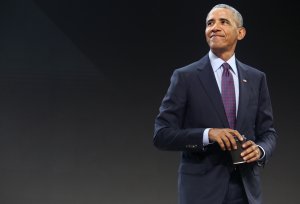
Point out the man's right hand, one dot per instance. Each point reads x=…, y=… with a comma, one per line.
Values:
x=224, y=137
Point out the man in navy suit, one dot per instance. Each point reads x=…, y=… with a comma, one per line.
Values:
x=193, y=119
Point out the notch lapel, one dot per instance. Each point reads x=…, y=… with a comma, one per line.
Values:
x=208, y=80
x=243, y=96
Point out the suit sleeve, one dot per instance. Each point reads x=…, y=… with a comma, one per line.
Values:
x=169, y=133
x=266, y=135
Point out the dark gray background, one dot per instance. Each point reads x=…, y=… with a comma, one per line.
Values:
x=81, y=82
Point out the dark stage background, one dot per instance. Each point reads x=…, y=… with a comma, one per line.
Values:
x=81, y=82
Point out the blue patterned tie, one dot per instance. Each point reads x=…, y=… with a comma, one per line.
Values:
x=228, y=95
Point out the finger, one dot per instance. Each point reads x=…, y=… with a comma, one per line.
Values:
x=221, y=143
x=238, y=135
x=232, y=141
x=249, y=156
x=253, y=156
x=226, y=141
x=247, y=144
x=252, y=160
x=252, y=149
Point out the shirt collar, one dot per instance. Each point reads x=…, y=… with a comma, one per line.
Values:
x=217, y=62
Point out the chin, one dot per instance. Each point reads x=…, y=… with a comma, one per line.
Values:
x=214, y=46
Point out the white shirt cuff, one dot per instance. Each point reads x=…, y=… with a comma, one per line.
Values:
x=205, y=137
x=263, y=153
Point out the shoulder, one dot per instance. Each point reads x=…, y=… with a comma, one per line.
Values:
x=194, y=66
x=251, y=71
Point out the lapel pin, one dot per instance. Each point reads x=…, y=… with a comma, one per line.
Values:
x=244, y=80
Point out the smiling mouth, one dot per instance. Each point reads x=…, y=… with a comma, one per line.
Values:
x=220, y=36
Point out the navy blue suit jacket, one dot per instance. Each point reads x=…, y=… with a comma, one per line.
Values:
x=193, y=103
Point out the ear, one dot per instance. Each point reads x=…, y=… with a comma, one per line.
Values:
x=241, y=33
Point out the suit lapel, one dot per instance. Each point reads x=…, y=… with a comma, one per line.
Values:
x=243, y=94
x=208, y=80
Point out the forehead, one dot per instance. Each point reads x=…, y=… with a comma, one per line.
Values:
x=220, y=13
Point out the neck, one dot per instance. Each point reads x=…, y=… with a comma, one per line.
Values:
x=223, y=55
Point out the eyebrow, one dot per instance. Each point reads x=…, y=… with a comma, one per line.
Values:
x=224, y=19
x=220, y=19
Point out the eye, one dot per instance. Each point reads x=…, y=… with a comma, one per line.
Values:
x=224, y=22
x=209, y=23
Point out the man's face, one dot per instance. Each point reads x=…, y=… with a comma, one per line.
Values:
x=222, y=31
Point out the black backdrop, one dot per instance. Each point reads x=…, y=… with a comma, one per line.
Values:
x=81, y=82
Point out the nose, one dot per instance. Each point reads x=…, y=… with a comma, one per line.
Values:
x=215, y=27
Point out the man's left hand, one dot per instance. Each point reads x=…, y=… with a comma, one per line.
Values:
x=251, y=152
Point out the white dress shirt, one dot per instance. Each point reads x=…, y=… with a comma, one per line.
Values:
x=216, y=64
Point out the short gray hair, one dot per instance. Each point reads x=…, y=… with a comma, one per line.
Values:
x=235, y=12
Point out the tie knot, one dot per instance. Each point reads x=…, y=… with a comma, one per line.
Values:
x=226, y=66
